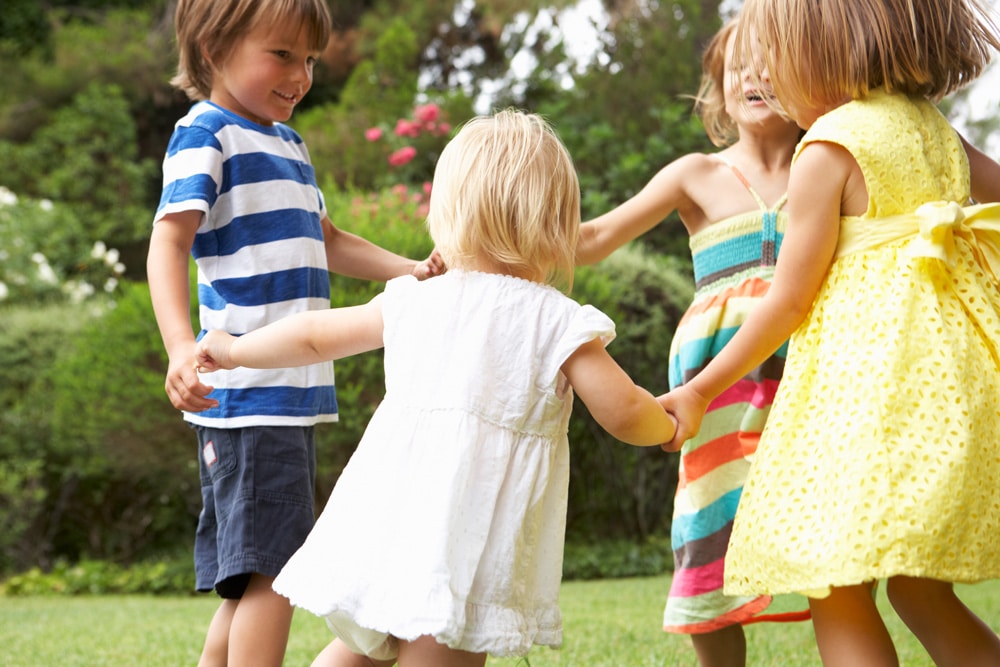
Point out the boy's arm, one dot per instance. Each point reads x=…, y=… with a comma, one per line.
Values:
x=350, y=255
x=623, y=409
x=297, y=340
x=167, y=268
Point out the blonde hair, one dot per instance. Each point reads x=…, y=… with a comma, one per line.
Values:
x=710, y=102
x=506, y=195
x=824, y=52
x=207, y=30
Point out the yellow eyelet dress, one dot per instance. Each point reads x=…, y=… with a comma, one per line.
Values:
x=881, y=455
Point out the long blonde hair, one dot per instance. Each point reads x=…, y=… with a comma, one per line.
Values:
x=207, y=30
x=506, y=194
x=824, y=52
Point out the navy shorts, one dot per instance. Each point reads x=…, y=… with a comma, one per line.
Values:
x=257, y=489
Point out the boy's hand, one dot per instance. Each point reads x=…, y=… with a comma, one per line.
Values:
x=430, y=267
x=212, y=352
x=183, y=386
x=688, y=408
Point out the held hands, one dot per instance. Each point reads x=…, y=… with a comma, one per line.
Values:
x=688, y=408
x=430, y=267
x=213, y=352
x=183, y=386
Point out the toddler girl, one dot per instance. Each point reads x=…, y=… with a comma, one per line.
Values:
x=442, y=541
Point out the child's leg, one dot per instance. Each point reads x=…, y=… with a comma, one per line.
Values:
x=850, y=631
x=427, y=652
x=259, y=632
x=725, y=647
x=951, y=633
x=336, y=654
x=215, y=653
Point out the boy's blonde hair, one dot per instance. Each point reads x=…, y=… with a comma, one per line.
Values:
x=506, y=196
x=710, y=102
x=824, y=52
x=208, y=30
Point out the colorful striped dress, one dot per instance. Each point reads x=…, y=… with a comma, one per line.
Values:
x=733, y=266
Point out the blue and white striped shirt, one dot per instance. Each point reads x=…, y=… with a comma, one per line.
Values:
x=259, y=252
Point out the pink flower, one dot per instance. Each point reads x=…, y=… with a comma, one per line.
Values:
x=442, y=129
x=373, y=133
x=407, y=128
x=427, y=113
x=402, y=156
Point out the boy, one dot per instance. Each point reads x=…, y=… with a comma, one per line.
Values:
x=240, y=196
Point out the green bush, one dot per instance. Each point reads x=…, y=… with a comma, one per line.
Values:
x=30, y=337
x=87, y=157
x=96, y=462
x=161, y=576
x=119, y=450
x=614, y=559
x=48, y=254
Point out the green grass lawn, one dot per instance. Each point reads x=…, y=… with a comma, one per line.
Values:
x=614, y=623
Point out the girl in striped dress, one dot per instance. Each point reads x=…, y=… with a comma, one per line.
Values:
x=730, y=203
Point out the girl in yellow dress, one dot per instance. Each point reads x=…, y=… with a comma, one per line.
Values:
x=880, y=458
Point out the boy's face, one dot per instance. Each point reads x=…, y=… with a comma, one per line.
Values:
x=268, y=72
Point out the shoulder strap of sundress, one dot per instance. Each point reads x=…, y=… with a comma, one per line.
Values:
x=753, y=193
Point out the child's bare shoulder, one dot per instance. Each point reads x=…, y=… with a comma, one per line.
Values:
x=701, y=162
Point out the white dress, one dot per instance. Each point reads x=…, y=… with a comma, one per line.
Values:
x=449, y=519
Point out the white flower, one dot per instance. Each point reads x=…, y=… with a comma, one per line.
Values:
x=4, y=292
x=38, y=258
x=7, y=198
x=46, y=274
x=110, y=285
x=78, y=291
x=45, y=204
x=112, y=257
x=99, y=250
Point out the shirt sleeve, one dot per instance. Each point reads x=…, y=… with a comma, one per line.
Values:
x=192, y=172
x=586, y=324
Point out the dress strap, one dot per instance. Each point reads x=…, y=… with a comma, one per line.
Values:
x=769, y=228
x=753, y=193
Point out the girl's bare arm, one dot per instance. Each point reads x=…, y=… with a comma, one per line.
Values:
x=623, y=409
x=297, y=340
x=816, y=192
x=664, y=194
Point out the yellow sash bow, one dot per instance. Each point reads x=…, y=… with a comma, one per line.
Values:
x=933, y=228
